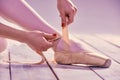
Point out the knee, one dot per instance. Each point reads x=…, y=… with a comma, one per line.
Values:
x=3, y=44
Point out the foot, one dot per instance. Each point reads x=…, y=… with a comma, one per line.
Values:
x=77, y=54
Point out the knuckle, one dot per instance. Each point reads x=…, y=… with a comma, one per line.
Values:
x=71, y=21
x=76, y=10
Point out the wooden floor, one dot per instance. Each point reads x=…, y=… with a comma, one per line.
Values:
x=18, y=61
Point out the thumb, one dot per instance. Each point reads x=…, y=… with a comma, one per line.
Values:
x=49, y=36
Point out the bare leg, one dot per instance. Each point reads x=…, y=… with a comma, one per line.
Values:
x=21, y=13
x=3, y=44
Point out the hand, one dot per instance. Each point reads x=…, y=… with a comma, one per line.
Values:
x=67, y=11
x=39, y=41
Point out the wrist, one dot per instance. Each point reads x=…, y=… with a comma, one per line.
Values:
x=23, y=37
x=26, y=37
x=12, y=33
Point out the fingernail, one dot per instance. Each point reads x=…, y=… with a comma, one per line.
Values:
x=63, y=24
x=54, y=34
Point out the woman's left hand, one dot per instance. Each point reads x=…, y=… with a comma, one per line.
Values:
x=39, y=41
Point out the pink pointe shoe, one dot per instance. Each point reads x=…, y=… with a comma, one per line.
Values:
x=77, y=55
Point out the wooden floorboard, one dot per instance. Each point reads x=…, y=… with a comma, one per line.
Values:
x=110, y=38
x=4, y=72
x=100, y=46
x=70, y=72
x=22, y=62
x=4, y=66
x=22, y=67
x=112, y=73
x=31, y=72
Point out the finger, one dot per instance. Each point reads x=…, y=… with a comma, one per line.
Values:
x=72, y=15
x=70, y=18
x=63, y=20
x=49, y=36
x=75, y=9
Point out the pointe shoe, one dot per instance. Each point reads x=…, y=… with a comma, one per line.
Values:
x=80, y=56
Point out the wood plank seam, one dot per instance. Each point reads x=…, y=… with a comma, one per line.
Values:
x=51, y=68
x=63, y=75
x=107, y=41
x=90, y=67
x=99, y=50
x=96, y=73
x=10, y=73
x=106, y=75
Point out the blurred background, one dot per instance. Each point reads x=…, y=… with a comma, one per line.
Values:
x=93, y=16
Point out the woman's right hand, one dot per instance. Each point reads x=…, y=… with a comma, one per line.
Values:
x=39, y=41
x=67, y=11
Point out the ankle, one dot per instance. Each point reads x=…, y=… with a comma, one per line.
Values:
x=74, y=47
x=56, y=42
x=60, y=45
